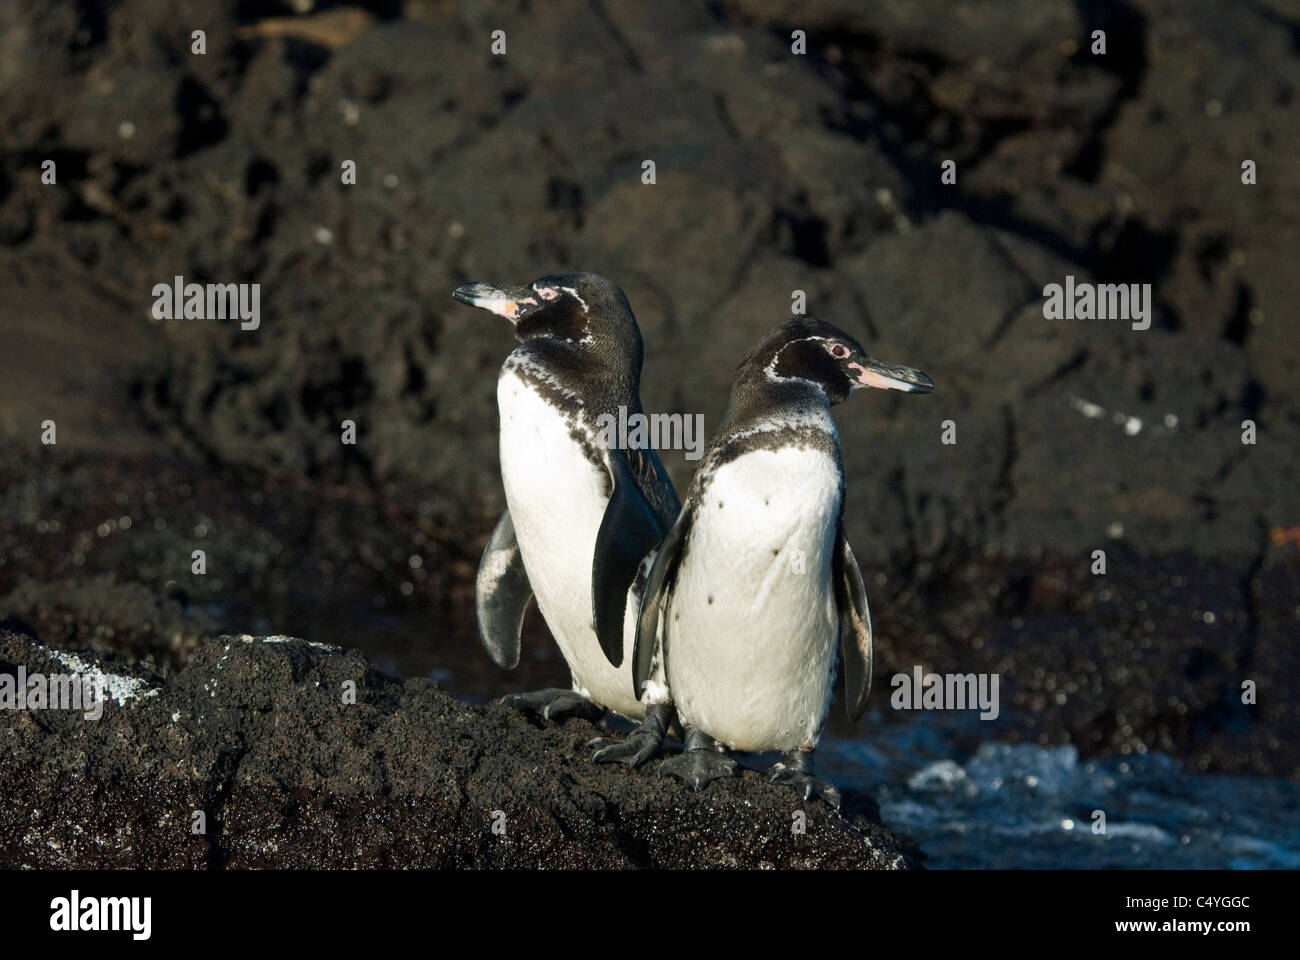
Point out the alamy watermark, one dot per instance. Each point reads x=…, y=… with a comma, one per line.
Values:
x=658, y=431
x=75, y=913
x=53, y=691
x=947, y=691
x=208, y=301
x=1098, y=301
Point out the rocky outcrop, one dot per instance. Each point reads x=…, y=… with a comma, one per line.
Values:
x=255, y=738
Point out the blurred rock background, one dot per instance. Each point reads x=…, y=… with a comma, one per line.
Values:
x=775, y=172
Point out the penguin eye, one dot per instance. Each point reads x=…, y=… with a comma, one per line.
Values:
x=838, y=350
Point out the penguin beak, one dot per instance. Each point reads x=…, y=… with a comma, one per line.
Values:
x=884, y=375
x=511, y=302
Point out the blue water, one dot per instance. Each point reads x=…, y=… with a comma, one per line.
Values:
x=1022, y=805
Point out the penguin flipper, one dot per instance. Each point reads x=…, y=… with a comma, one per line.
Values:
x=629, y=530
x=855, y=627
x=501, y=594
x=662, y=573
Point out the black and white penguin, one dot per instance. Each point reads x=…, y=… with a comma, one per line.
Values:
x=582, y=520
x=756, y=580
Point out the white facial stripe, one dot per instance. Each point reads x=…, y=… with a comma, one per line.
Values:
x=574, y=293
x=770, y=369
x=550, y=293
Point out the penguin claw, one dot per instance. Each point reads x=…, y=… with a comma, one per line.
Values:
x=639, y=747
x=641, y=744
x=554, y=704
x=802, y=781
x=698, y=768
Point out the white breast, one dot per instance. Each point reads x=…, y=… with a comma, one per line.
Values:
x=557, y=499
x=752, y=621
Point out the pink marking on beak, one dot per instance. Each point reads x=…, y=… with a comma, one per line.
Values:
x=868, y=377
x=511, y=309
x=915, y=382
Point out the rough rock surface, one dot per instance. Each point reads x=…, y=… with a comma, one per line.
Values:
x=775, y=172
x=254, y=732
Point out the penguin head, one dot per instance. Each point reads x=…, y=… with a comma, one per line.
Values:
x=807, y=353
x=583, y=309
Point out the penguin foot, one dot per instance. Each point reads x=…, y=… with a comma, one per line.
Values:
x=796, y=771
x=698, y=768
x=639, y=747
x=641, y=744
x=700, y=763
x=555, y=704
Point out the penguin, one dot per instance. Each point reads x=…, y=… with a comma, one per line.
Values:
x=582, y=519
x=756, y=581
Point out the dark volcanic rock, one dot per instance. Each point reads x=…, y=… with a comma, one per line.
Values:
x=254, y=732
x=776, y=173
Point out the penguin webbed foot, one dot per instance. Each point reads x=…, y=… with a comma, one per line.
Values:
x=641, y=744
x=795, y=770
x=639, y=747
x=555, y=704
x=700, y=763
